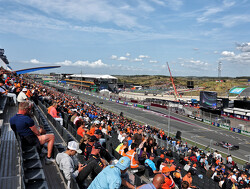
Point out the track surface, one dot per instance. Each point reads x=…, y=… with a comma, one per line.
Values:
x=191, y=129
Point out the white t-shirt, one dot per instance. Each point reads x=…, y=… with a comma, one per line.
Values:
x=21, y=97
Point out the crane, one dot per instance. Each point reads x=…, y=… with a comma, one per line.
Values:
x=176, y=94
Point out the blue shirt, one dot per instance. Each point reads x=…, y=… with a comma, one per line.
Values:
x=148, y=186
x=22, y=123
x=108, y=178
x=151, y=164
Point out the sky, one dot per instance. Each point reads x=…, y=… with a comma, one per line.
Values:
x=132, y=37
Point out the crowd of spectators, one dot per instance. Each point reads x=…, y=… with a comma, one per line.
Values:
x=139, y=143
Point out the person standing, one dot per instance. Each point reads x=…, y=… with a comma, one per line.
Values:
x=137, y=138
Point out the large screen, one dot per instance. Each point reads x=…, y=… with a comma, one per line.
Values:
x=208, y=99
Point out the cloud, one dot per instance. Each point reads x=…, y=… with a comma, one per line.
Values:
x=137, y=60
x=143, y=56
x=195, y=49
x=232, y=20
x=79, y=63
x=127, y=54
x=122, y=58
x=33, y=61
x=211, y=11
x=153, y=61
x=244, y=47
x=227, y=53
x=242, y=58
x=194, y=64
x=86, y=10
x=114, y=57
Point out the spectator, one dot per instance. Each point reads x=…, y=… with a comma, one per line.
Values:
x=149, y=146
x=229, y=182
x=54, y=114
x=124, y=148
x=177, y=176
x=28, y=132
x=185, y=185
x=150, y=165
x=188, y=178
x=88, y=147
x=159, y=161
x=95, y=164
x=110, y=177
x=83, y=143
x=81, y=129
x=187, y=166
x=69, y=164
x=4, y=91
x=22, y=95
x=157, y=183
x=137, y=138
x=133, y=156
x=169, y=182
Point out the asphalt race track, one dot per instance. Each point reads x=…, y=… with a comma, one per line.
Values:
x=191, y=129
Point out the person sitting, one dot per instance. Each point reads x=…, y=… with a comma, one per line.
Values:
x=157, y=183
x=124, y=148
x=188, y=178
x=169, y=182
x=4, y=91
x=53, y=113
x=81, y=130
x=22, y=95
x=150, y=165
x=69, y=164
x=95, y=164
x=28, y=131
x=111, y=176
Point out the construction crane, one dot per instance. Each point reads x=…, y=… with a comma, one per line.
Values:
x=176, y=94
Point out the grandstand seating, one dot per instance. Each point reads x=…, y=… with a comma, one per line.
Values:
x=3, y=101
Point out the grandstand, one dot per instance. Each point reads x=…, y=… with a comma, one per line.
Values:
x=93, y=82
x=24, y=166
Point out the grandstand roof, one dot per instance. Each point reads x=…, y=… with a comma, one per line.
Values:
x=94, y=76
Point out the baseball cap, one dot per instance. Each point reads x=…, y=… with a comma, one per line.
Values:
x=97, y=145
x=72, y=145
x=162, y=156
x=98, y=132
x=25, y=89
x=123, y=163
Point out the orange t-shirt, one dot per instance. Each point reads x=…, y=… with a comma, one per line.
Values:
x=189, y=180
x=80, y=131
x=29, y=94
x=92, y=131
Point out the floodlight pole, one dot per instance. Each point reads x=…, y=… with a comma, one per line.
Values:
x=168, y=119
